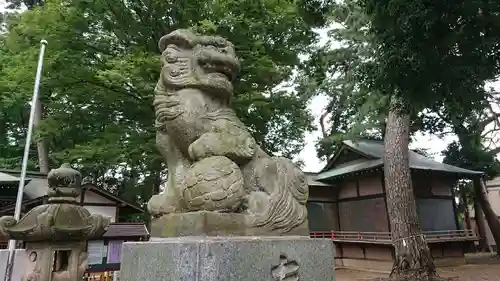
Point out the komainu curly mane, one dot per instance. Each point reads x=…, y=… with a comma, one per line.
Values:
x=214, y=163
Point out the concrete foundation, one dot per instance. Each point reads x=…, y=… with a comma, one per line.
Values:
x=379, y=258
x=285, y=258
x=386, y=266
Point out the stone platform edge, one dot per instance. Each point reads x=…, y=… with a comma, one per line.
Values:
x=228, y=258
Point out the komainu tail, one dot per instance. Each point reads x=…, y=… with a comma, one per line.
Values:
x=284, y=207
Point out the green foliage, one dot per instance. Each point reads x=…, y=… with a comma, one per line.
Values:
x=437, y=55
x=473, y=157
x=434, y=52
x=335, y=71
x=429, y=55
x=473, y=150
x=351, y=111
x=101, y=66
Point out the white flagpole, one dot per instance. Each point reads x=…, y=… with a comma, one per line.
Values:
x=20, y=190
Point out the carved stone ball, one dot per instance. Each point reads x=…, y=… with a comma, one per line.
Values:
x=214, y=184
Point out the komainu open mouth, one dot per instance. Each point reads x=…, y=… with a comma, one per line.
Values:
x=221, y=69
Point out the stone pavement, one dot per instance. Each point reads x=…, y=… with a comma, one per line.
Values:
x=471, y=272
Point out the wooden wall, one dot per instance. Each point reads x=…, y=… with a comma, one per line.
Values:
x=362, y=204
x=322, y=209
x=359, y=204
x=436, y=205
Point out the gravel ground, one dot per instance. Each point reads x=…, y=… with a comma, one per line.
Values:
x=471, y=272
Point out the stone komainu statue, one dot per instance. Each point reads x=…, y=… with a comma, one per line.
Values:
x=214, y=163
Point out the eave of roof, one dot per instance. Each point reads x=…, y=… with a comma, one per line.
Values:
x=375, y=149
x=311, y=180
x=354, y=166
x=342, y=148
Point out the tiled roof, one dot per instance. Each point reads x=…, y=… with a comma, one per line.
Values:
x=311, y=180
x=353, y=166
x=122, y=229
x=375, y=149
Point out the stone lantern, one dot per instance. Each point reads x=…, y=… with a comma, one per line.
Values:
x=56, y=233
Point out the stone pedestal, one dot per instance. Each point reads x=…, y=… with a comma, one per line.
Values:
x=251, y=258
x=206, y=223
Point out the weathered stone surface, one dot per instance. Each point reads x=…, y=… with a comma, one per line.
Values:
x=214, y=163
x=56, y=233
x=289, y=258
x=205, y=223
x=61, y=219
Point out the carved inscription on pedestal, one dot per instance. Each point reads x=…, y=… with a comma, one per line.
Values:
x=286, y=270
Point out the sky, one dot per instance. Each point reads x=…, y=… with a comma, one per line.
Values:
x=313, y=164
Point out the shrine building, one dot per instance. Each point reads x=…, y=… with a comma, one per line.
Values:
x=347, y=204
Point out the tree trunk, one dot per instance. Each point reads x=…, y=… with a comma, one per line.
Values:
x=467, y=222
x=466, y=212
x=384, y=129
x=413, y=260
x=480, y=226
x=43, y=149
x=489, y=213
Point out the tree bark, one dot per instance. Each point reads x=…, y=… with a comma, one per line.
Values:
x=467, y=222
x=489, y=213
x=480, y=226
x=413, y=259
x=42, y=147
x=466, y=212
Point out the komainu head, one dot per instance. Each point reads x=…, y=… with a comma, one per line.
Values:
x=194, y=61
